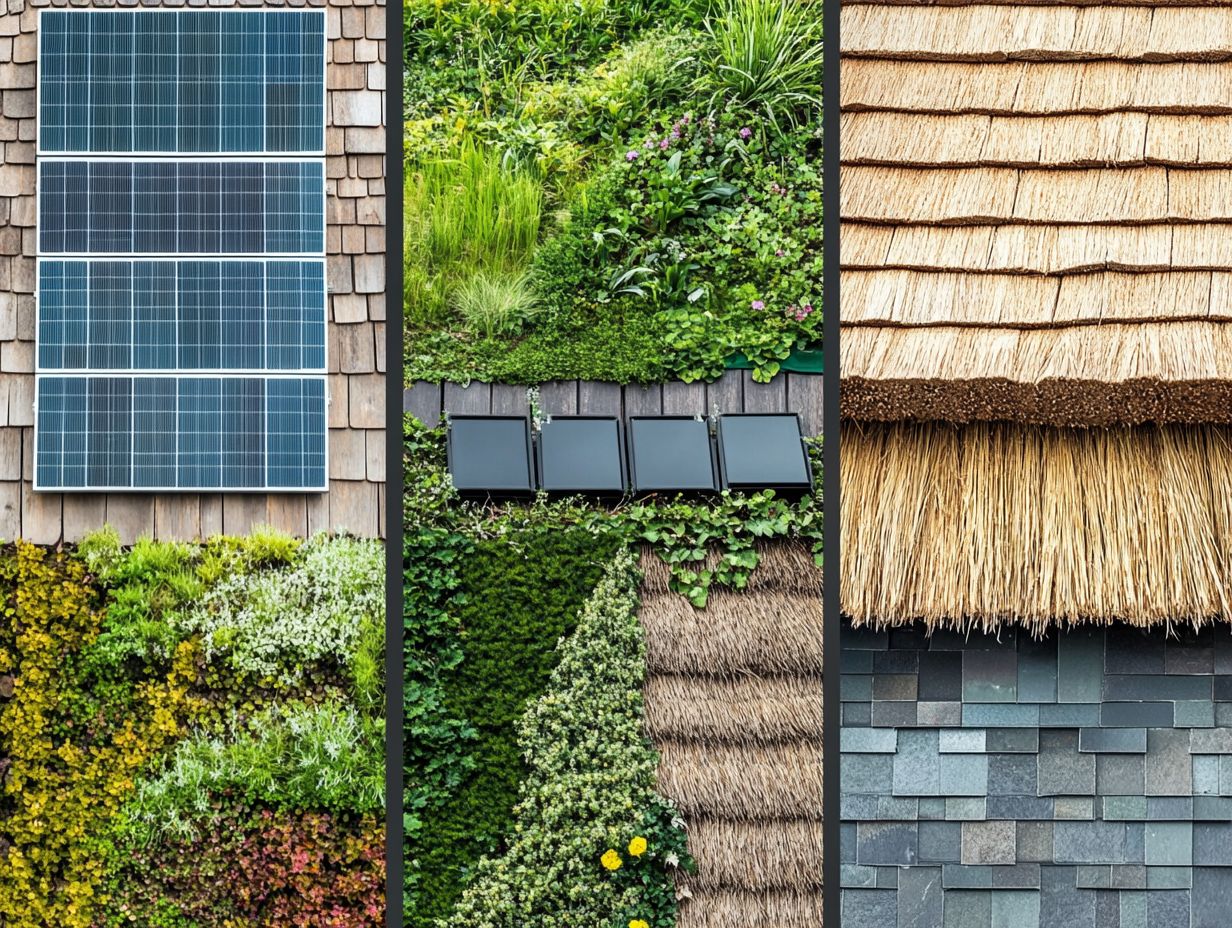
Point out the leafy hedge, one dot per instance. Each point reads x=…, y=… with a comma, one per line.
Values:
x=140, y=764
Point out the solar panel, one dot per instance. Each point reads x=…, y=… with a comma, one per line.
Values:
x=162, y=82
x=490, y=455
x=670, y=453
x=760, y=451
x=181, y=297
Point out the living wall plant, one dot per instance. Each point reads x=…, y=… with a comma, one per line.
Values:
x=592, y=194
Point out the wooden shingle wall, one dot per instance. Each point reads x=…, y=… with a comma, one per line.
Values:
x=735, y=391
x=355, y=244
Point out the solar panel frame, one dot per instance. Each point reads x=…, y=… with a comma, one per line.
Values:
x=312, y=375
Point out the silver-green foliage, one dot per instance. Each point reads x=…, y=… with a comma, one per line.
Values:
x=277, y=623
x=590, y=781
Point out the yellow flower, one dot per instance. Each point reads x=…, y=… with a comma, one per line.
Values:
x=637, y=847
x=638, y=923
x=611, y=860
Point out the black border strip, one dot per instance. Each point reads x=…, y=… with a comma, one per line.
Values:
x=832, y=624
x=394, y=835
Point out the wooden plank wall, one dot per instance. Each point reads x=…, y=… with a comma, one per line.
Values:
x=735, y=391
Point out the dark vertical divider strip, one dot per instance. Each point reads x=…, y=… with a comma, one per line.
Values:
x=393, y=467
x=831, y=679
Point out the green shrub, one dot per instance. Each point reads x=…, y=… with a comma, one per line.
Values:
x=496, y=303
x=589, y=788
x=515, y=598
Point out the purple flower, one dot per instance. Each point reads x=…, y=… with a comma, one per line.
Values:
x=686, y=118
x=663, y=145
x=808, y=308
x=675, y=134
x=758, y=304
x=778, y=253
x=746, y=132
x=632, y=155
x=649, y=143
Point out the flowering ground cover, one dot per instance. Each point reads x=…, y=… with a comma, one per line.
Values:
x=191, y=736
x=625, y=191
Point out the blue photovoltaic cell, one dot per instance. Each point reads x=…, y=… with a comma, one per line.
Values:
x=182, y=82
x=182, y=315
x=220, y=207
x=188, y=433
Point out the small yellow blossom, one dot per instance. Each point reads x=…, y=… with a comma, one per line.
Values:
x=639, y=923
x=637, y=847
x=611, y=860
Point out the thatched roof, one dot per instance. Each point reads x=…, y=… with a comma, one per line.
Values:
x=1037, y=201
x=734, y=705
x=981, y=524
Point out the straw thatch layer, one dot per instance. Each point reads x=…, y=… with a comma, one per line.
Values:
x=741, y=710
x=975, y=526
x=728, y=908
x=783, y=566
x=1036, y=88
x=1066, y=33
x=755, y=856
x=1109, y=140
x=1036, y=249
x=1109, y=374
x=765, y=782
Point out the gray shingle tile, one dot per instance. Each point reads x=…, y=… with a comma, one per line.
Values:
x=1169, y=877
x=913, y=637
x=1130, y=687
x=1169, y=844
x=1062, y=770
x=1108, y=910
x=1134, y=650
x=1017, y=909
x=1167, y=909
x=940, y=842
x=1212, y=808
x=941, y=676
x=1069, y=715
x=859, y=807
x=856, y=687
x=867, y=773
x=1037, y=670
x=847, y=843
x=919, y=898
x=1012, y=740
x=1094, y=876
x=855, y=661
x=962, y=741
x=1225, y=775
x=894, y=686
x=968, y=909
x=988, y=843
x=1135, y=842
x=1035, y=841
x=932, y=807
x=1119, y=775
x=1222, y=635
x=1169, y=808
x=1211, y=741
x=1013, y=775
x=1079, y=665
x=1212, y=844
x=1206, y=775
x=853, y=875
x=896, y=660
x=1133, y=909
x=1124, y=808
x=1021, y=808
x=999, y=715
x=964, y=774
x=1073, y=808
x=887, y=877
x=1194, y=714
x=965, y=809
x=1112, y=740
x=917, y=765
x=990, y=676
x=898, y=808
x=1212, y=897
x=868, y=740
x=1169, y=770
x=869, y=908
x=1223, y=714
x=864, y=638
x=964, y=876
x=857, y=713
x=899, y=714
x=1190, y=651
x=1018, y=876
x=1061, y=902
x=886, y=844
x=1089, y=842
x=1129, y=876
x=939, y=713
x=1135, y=714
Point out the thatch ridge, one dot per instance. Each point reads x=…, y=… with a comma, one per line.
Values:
x=765, y=782
x=725, y=908
x=755, y=856
x=748, y=710
x=975, y=526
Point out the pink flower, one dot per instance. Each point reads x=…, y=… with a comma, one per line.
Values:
x=632, y=155
x=758, y=304
x=675, y=133
x=686, y=118
x=746, y=132
x=778, y=253
x=649, y=143
x=663, y=145
x=808, y=308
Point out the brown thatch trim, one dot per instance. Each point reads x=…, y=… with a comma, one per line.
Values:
x=1111, y=374
x=1024, y=88
x=737, y=633
x=783, y=565
x=965, y=196
x=1037, y=249
x=985, y=524
x=755, y=856
x=1106, y=140
x=758, y=784
x=746, y=710
x=1057, y=33
x=728, y=908
x=927, y=298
